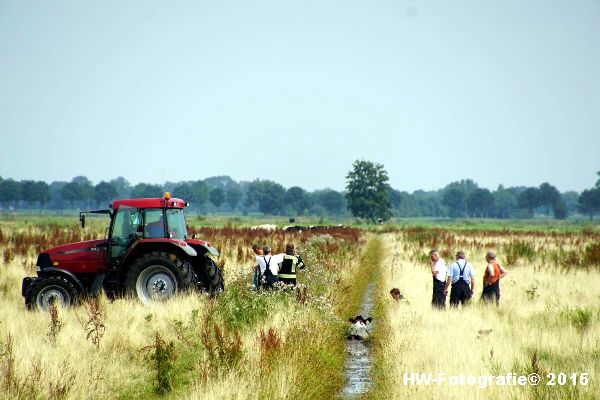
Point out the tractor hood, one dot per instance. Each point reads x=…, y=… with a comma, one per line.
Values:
x=72, y=252
x=65, y=251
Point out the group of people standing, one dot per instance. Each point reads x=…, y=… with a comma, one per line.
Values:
x=273, y=268
x=461, y=275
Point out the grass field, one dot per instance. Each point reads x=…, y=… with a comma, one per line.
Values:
x=282, y=345
x=547, y=323
x=240, y=345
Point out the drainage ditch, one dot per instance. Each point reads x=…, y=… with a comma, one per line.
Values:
x=358, y=364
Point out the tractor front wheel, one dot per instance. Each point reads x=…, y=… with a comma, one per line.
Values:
x=50, y=290
x=156, y=277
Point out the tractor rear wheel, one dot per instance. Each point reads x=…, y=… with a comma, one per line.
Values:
x=48, y=290
x=212, y=277
x=157, y=276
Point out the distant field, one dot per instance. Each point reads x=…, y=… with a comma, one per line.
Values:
x=69, y=217
x=279, y=345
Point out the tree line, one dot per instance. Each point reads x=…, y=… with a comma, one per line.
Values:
x=370, y=197
x=367, y=195
x=219, y=194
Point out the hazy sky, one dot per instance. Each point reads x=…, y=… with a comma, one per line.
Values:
x=500, y=92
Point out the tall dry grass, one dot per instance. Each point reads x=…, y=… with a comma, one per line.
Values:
x=548, y=320
x=240, y=345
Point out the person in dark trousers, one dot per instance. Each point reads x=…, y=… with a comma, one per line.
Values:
x=289, y=266
x=491, y=279
x=439, y=271
x=461, y=274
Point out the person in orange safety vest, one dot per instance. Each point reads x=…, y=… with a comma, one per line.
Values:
x=491, y=279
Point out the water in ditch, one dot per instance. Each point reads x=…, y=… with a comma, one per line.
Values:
x=358, y=356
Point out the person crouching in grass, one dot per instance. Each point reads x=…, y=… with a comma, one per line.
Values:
x=491, y=279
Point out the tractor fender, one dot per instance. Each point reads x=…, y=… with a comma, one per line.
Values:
x=160, y=244
x=66, y=274
x=207, y=251
x=189, y=250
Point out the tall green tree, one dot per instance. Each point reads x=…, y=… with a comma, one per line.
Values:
x=454, y=199
x=122, y=187
x=10, y=192
x=104, y=192
x=144, y=190
x=367, y=191
x=41, y=193
x=87, y=189
x=426, y=204
x=570, y=198
x=200, y=193
x=222, y=181
x=480, y=202
x=332, y=201
x=28, y=191
x=196, y=193
x=269, y=196
x=395, y=198
x=217, y=196
x=549, y=196
x=589, y=202
x=72, y=193
x=297, y=200
x=184, y=191
x=233, y=196
x=559, y=209
x=35, y=192
x=406, y=205
x=529, y=200
x=505, y=202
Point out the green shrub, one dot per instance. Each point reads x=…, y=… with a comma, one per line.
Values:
x=591, y=255
x=162, y=355
x=517, y=250
x=579, y=317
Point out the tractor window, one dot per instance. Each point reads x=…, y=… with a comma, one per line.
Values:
x=176, y=224
x=154, y=226
x=126, y=224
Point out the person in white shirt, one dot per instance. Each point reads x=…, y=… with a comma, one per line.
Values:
x=438, y=270
x=258, y=251
x=268, y=265
x=461, y=274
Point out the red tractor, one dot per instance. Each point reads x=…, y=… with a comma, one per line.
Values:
x=147, y=254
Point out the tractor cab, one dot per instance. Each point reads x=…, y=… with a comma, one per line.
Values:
x=143, y=219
